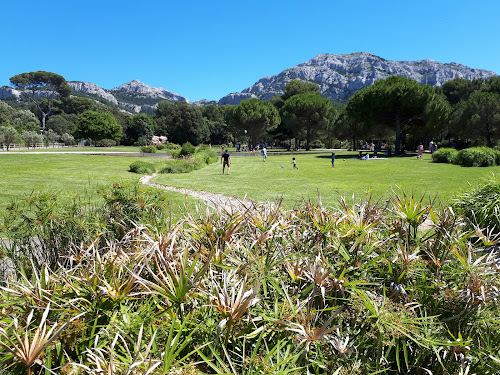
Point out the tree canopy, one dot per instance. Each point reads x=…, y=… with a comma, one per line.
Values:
x=478, y=117
x=296, y=87
x=306, y=114
x=397, y=102
x=139, y=130
x=97, y=126
x=256, y=117
x=35, y=82
x=181, y=123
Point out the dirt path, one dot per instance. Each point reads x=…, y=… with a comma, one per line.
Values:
x=219, y=201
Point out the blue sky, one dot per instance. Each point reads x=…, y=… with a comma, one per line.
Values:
x=207, y=49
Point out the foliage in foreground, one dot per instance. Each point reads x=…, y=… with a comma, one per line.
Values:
x=357, y=289
x=481, y=206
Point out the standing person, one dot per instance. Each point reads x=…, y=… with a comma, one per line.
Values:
x=264, y=153
x=420, y=151
x=294, y=164
x=333, y=159
x=225, y=160
x=434, y=147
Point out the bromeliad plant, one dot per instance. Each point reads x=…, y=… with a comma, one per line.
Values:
x=358, y=288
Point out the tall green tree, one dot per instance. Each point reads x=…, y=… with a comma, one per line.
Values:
x=459, y=89
x=256, y=118
x=139, y=130
x=96, y=126
x=181, y=123
x=296, y=87
x=307, y=114
x=478, y=117
x=214, y=117
x=33, y=82
x=398, y=102
x=8, y=136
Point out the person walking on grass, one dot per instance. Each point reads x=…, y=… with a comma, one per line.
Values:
x=333, y=159
x=264, y=153
x=420, y=151
x=294, y=164
x=225, y=160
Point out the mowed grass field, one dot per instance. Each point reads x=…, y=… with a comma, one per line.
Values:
x=66, y=174
x=260, y=181
x=22, y=174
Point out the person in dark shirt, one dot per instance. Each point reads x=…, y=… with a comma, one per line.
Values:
x=225, y=160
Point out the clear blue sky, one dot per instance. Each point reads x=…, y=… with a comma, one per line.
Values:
x=207, y=49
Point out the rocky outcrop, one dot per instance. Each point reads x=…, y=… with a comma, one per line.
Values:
x=340, y=76
x=92, y=88
x=204, y=102
x=235, y=98
x=6, y=92
x=141, y=89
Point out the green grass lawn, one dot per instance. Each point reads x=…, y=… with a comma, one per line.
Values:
x=87, y=149
x=67, y=174
x=260, y=181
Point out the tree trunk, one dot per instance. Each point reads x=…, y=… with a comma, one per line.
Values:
x=488, y=140
x=354, y=143
x=398, y=135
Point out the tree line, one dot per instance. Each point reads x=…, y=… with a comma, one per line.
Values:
x=395, y=111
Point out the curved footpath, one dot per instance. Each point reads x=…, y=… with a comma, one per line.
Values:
x=212, y=199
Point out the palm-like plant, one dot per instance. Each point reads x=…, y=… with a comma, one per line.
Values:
x=27, y=348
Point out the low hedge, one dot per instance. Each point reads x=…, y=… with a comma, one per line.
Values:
x=477, y=157
x=444, y=155
x=142, y=167
x=148, y=149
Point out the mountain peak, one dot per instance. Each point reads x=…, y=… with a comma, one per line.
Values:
x=340, y=76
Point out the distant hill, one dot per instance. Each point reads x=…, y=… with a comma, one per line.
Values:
x=338, y=76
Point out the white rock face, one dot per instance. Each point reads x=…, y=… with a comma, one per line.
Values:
x=235, y=98
x=92, y=88
x=6, y=92
x=138, y=87
x=340, y=76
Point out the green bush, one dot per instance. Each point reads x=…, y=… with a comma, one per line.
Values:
x=172, y=146
x=481, y=205
x=148, y=149
x=206, y=156
x=160, y=146
x=187, y=149
x=444, y=155
x=181, y=166
x=142, y=167
x=142, y=141
x=477, y=157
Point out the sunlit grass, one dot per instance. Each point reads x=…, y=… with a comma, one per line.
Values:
x=260, y=181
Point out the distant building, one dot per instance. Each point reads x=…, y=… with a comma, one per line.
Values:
x=158, y=140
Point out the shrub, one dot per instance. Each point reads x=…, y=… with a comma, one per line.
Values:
x=481, y=205
x=206, y=156
x=477, y=157
x=148, y=149
x=181, y=166
x=444, y=155
x=142, y=141
x=187, y=149
x=172, y=146
x=160, y=146
x=142, y=167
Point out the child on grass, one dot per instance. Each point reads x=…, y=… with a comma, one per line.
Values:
x=294, y=164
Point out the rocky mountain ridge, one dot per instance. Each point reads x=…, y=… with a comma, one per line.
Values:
x=338, y=76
